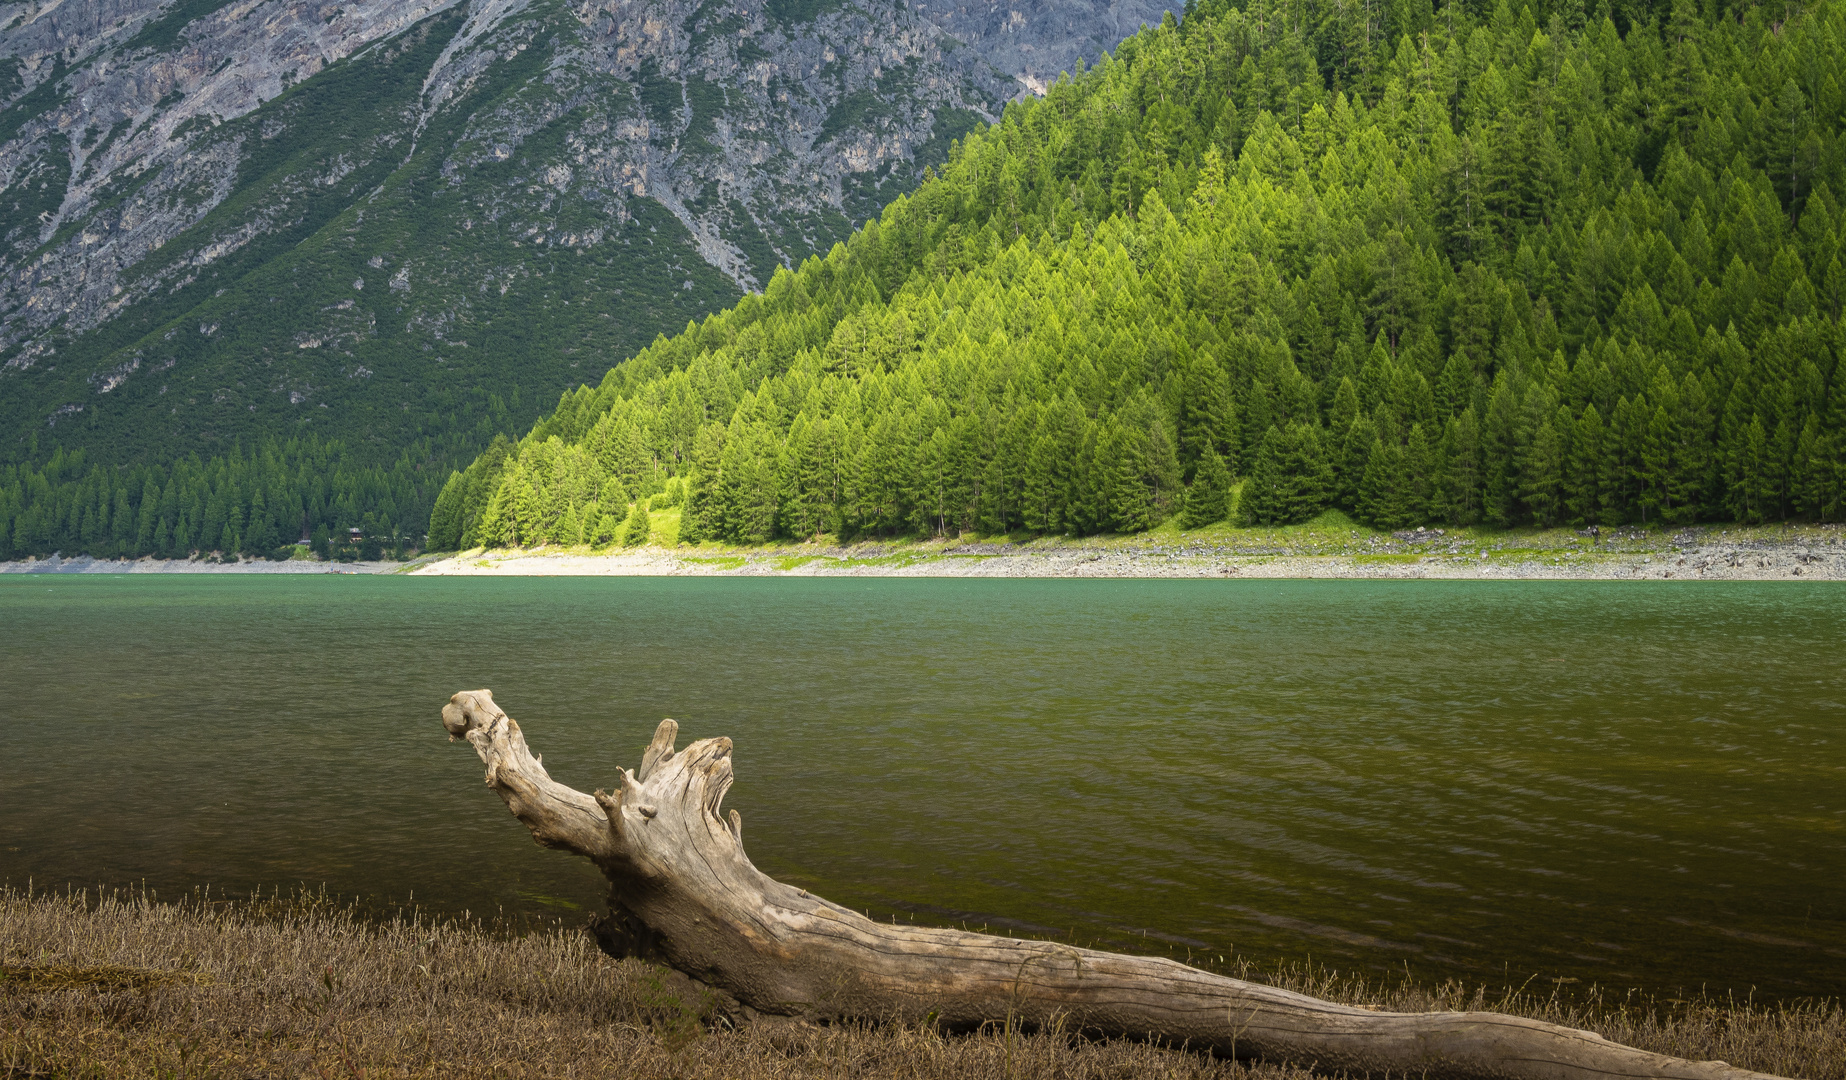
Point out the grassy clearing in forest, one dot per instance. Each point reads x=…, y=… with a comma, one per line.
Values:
x=125, y=987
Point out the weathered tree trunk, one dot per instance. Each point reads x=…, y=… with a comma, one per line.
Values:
x=681, y=890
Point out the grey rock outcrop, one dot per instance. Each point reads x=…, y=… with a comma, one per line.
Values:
x=1035, y=40
x=126, y=110
x=164, y=167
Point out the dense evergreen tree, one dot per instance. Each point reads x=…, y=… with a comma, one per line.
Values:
x=252, y=503
x=1208, y=499
x=634, y=530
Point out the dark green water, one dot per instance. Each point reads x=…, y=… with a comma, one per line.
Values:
x=1636, y=784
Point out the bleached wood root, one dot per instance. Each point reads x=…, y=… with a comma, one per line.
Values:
x=682, y=890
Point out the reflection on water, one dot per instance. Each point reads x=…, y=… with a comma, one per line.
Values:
x=1638, y=784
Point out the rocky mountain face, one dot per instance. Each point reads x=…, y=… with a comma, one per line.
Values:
x=403, y=220
x=1034, y=40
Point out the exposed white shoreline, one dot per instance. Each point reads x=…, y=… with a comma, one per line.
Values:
x=1815, y=555
x=1713, y=563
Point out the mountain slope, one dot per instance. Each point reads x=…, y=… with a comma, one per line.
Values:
x=1521, y=276
x=465, y=209
x=378, y=234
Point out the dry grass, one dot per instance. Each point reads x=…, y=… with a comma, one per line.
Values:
x=125, y=987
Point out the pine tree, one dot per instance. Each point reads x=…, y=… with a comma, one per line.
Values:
x=1657, y=467
x=1752, y=486
x=1695, y=465
x=445, y=521
x=122, y=524
x=1621, y=470
x=699, y=519
x=611, y=502
x=1122, y=447
x=1419, y=493
x=1208, y=420
x=1460, y=482
x=1264, y=500
x=259, y=539
x=1540, y=474
x=1583, y=472
x=1381, y=488
x=802, y=507
x=1812, y=472
x=635, y=530
x=1208, y=499
x=1498, y=445
x=1291, y=480
x=1455, y=386
x=1355, y=449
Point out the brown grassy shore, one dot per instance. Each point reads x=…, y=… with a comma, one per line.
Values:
x=122, y=986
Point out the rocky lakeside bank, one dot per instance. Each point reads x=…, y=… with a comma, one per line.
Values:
x=1312, y=551
x=1318, y=550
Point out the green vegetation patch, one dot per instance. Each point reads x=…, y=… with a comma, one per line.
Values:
x=163, y=33
x=849, y=114
x=717, y=562
x=36, y=102
x=37, y=190
x=795, y=12
x=948, y=126
x=12, y=74
x=662, y=97
x=708, y=100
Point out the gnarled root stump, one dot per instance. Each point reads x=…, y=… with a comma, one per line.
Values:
x=682, y=890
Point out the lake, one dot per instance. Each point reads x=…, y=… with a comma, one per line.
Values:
x=1635, y=784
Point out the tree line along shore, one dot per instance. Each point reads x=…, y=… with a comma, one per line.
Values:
x=1330, y=546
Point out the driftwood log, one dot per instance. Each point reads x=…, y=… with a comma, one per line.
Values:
x=682, y=891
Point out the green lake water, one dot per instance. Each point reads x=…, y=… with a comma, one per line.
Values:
x=1641, y=785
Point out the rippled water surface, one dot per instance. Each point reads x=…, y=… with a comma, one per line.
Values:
x=1637, y=784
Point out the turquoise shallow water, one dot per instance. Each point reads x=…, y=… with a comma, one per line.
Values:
x=1635, y=784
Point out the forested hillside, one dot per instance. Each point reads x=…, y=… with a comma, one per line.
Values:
x=1501, y=266
x=281, y=232
x=1507, y=267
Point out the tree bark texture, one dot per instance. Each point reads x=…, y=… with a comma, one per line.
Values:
x=682, y=891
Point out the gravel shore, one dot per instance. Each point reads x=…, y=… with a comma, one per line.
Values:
x=1705, y=554
x=1811, y=554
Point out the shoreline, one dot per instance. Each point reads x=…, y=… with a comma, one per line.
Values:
x=84, y=564
x=1332, y=550
x=1690, y=565
x=1329, y=549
